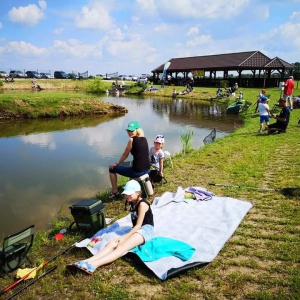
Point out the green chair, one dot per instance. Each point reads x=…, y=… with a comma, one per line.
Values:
x=15, y=249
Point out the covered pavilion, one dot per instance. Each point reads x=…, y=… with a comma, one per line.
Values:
x=264, y=71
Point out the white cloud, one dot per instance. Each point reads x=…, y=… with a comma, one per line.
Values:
x=162, y=28
x=192, y=8
x=295, y=15
x=58, y=30
x=289, y=34
x=24, y=49
x=28, y=15
x=259, y=13
x=147, y=6
x=94, y=18
x=43, y=4
x=117, y=34
x=199, y=40
x=1, y=25
x=74, y=48
x=193, y=31
x=136, y=50
x=45, y=140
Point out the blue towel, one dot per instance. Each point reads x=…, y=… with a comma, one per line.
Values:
x=160, y=247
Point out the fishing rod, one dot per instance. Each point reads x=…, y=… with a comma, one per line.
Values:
x=289, y=192
x=11, y=286
x=244, y=187
x=31, y=283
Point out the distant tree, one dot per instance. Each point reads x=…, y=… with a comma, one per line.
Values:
x=296, y=73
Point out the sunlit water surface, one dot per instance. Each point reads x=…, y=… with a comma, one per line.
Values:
x=49, y=164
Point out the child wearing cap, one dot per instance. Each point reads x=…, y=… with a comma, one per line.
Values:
x=261, y=95
x=139, y=149
x=157, y=154
x=264, y=112
x=141, y=232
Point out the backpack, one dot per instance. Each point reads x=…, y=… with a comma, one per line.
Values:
x=156, y=177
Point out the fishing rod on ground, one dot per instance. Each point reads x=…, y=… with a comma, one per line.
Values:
x=291, y=192
x=31, y=283
x=11, y=286
x=243, y=187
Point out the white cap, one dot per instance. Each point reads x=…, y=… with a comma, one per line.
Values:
x=131, y=187
x=159, y=139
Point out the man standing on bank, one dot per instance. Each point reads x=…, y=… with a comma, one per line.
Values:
x=288, y=91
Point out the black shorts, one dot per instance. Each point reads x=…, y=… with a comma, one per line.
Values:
x=280, y=126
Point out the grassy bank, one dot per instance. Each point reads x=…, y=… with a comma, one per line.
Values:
x=50, y=104
x=261, y=259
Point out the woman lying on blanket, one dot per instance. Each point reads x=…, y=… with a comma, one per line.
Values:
x=142, y=231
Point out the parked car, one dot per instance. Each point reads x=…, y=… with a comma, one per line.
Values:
x=33, y=74
x=46, y=75
x=61, y=75
x=133, y=77
x=143, y=78
x=3, y=74
x=74, y=76
x=17, y=74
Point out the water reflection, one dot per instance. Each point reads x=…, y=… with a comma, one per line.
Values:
x=49, y=164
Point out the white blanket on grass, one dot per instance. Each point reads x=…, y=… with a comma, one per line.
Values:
x=205, y=225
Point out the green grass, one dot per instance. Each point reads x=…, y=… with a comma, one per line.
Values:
x=260, y=260
x=50, y=104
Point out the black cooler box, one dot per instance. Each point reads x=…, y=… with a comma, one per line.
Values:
x=88, y=215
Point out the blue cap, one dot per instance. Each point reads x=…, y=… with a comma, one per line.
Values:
x=263, y=98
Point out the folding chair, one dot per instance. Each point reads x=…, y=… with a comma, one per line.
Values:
x=15, y=249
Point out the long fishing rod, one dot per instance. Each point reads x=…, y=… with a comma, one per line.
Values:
x=289, y=192
x=31, y=283
x=244, y=187
x=11, y=286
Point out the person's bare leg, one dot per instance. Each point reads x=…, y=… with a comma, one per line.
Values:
x=272, y=130
x=113, y=180
x=110, y=247
x=135, y=240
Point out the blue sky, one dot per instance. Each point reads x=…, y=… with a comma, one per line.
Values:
x=136, y=36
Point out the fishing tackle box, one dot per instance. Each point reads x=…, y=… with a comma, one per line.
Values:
x=88, y=215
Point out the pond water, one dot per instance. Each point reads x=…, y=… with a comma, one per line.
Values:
x=47, y=165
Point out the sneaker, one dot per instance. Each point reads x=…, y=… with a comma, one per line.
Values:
x=259, y=131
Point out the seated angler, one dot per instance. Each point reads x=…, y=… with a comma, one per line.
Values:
x=139, y=149
x=282, y=120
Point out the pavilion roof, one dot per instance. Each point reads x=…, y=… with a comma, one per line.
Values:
x=220, y=62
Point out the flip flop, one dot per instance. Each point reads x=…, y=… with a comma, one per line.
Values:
x=114, y=195
x=83, y=266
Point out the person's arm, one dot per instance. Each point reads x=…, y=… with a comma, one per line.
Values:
x=282, y=118
x=161, y=165
x=267, y=109
x=124, y=155
x=143, y=208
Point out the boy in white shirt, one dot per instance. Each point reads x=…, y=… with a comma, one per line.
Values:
x=264, y=111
